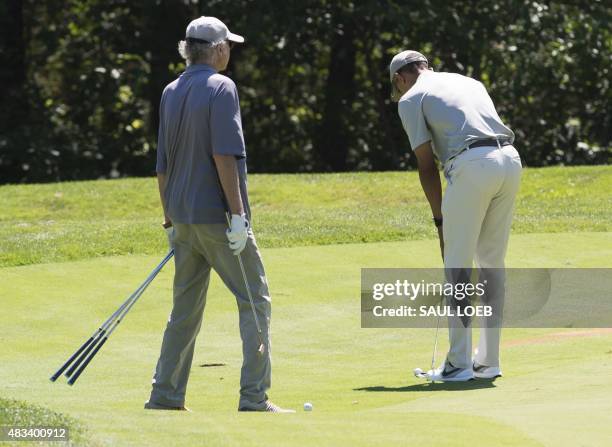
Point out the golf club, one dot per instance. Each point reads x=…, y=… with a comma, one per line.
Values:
x=81, y=358
x=89, y=344
x=435, y=347
x=248, y=289
x=418, y=372
x=261, y=348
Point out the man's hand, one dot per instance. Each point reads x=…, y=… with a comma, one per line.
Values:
x=169, y=228
x=238, y=233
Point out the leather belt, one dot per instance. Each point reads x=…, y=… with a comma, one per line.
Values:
x=481, y=143
x=487, y=142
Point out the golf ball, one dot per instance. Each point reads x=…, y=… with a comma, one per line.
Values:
x=307, y=406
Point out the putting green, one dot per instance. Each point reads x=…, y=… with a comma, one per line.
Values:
x=359, y=380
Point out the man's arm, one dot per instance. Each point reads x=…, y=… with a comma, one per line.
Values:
x=430, y=181
x=161, y=183
x=430, y=178
x=228, y=176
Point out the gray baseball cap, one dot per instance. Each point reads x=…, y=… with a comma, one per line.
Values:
x=404, y=58
x=210, y=29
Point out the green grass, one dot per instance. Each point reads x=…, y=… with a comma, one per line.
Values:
x=78, y=220
x=15, y=413
x=106, y=235
x=359, y=380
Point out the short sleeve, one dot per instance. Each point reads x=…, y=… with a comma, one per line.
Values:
x=225, y=122
x=413, y=120
x=162, y=162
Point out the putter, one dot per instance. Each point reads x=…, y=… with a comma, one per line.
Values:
x=435, y=348
x=77, y=363
x=418, y=372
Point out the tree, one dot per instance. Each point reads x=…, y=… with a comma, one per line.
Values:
x=81, y=79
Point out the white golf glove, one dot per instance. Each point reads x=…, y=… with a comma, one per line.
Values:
x=170, y=234
x=238, y=233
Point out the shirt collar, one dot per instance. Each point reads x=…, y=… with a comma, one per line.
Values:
x=199, y=67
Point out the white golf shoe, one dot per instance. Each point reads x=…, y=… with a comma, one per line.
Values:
x=265, y=406
x=485, y=372
x=449, y=373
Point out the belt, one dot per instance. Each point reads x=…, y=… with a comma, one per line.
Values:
x=481, y=143
x=487, y=142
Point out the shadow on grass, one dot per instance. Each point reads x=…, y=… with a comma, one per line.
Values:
x=438, y=386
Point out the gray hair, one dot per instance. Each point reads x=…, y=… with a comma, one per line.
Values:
x=196, y=52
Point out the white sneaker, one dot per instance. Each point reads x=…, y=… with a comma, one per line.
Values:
x=485, y=372
x=265, y=406
x=449, y=373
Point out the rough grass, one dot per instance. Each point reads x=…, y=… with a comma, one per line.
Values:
x=16, y=413
x=76, y=220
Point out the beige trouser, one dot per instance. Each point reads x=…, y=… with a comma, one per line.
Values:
x=197, y=249
x=477, y=211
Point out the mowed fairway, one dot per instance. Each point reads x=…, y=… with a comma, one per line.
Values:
x=359, y=380
x=557, y=388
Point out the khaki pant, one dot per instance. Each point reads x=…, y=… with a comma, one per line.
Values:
x=477, y=210
x=197, y=249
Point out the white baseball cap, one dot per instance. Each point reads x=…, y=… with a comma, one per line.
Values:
x=211, y=30
x=404, y=58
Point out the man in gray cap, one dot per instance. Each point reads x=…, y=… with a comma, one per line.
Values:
x=201, y=171
x=452, y=118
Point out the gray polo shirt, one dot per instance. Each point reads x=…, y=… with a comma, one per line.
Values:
x=199, y=116
x=452, y=111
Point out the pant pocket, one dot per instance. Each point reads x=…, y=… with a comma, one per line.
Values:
x=448, y=172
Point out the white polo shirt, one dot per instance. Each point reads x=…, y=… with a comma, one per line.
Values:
x=451, y=110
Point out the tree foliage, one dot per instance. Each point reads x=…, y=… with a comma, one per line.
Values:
x=81, y=79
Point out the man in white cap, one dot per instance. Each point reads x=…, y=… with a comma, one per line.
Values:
x=201, y=170
x=452, y=118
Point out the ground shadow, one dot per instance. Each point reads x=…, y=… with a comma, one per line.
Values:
x=437, y=386
x=211, y=365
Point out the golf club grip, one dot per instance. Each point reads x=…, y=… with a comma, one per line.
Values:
x=88, y=343
x=86, y=362
x=81, y=357
x=71, y=359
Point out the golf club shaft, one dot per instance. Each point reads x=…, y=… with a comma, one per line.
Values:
x=146, y=282
x=248, y=288
x=87, y=345
x=102, y=334
x=82, y=364
x=435, y=347
x=244, y=276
